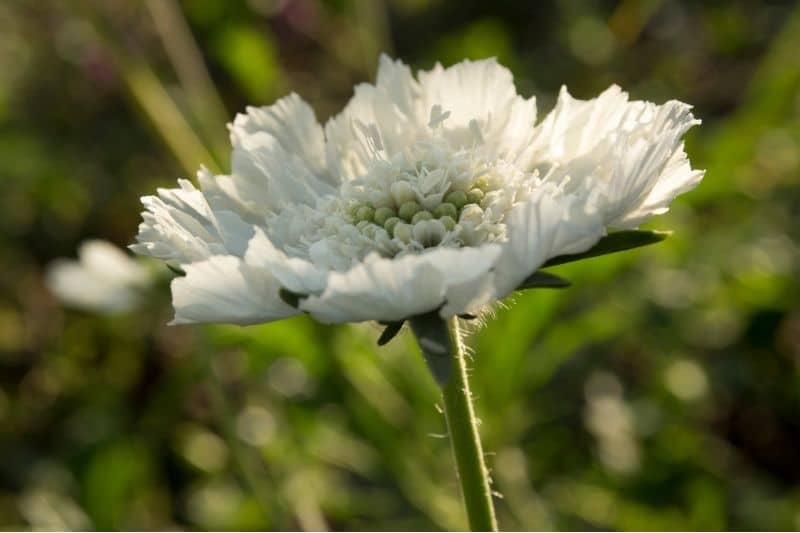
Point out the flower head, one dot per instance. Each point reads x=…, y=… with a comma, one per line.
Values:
x=429, y=192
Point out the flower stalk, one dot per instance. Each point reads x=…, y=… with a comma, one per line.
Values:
x=462, y=425
x=441, y=345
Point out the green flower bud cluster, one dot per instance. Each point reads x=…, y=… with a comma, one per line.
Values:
x=404, y=212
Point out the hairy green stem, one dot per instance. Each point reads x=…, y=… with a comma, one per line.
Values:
x=465, y=440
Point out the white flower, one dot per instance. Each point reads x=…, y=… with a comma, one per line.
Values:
x=429, y=192
x=103, y=279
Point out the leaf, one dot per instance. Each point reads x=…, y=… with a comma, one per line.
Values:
x=434, y=341
x=392, y=329
x=544, y=280
x=617, y=241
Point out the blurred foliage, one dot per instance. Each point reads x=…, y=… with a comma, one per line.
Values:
x=660, y=392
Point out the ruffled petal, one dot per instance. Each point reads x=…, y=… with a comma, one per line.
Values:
x=628, y=155
x=278, y=159
x=379, y=289
x=453, y=280
x=478, y=99
x=225, y=289
x=293, y=273
x=293, y=124
x=482, y=91
x=547, y=225
x=178, y=225
x=469, y=277
x=265, y=177
x=575, y=126
x=384, y=118
x=677, y=178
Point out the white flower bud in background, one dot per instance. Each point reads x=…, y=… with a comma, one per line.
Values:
x=104, y=279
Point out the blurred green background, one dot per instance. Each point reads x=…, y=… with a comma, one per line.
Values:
x=662, y=391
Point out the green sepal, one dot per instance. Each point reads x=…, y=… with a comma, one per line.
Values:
x=290, y=298
x=178, y=271
x=434, y=341
x=390, y=332
x=544, y=280
x=617, y=241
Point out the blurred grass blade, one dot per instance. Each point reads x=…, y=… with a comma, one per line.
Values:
x=152, y=97
x=156, y=103
x=544, y=280
x=186, y=58
x=619, y=241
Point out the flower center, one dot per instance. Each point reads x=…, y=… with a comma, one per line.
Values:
x=430, y=194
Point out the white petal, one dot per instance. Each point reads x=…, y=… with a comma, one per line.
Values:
x=392, y=106
x=397, y=82
x=248, y=197
x=628, y=155
x=456, y=279
x=268, y=177
x=469, y=277
x=291, y=121
x=483, y=92
x=677, y=178
x=467, y=96
x=293, y=273
x=278, y=159
x=575, y=126
x=379, y=289
x=224, y=289
x=180, y=226
x=547, y=225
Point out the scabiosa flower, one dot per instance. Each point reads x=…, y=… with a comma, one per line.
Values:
x=429, y=193
x=427, y=198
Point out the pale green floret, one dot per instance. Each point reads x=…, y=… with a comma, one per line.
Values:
x=402, y=192
x=365, y=212
x=369, y=229
x=481, y=183
x=421, y=215
x=390, y=224
x=408, y=210
x=362, y=224
x=471, y=214
x=380, y=199
x=448, y=222
x=382, y=214
x=402, y=232
x=446, y=210
x=475, y=196
x=429, y=232
x=457, y=198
